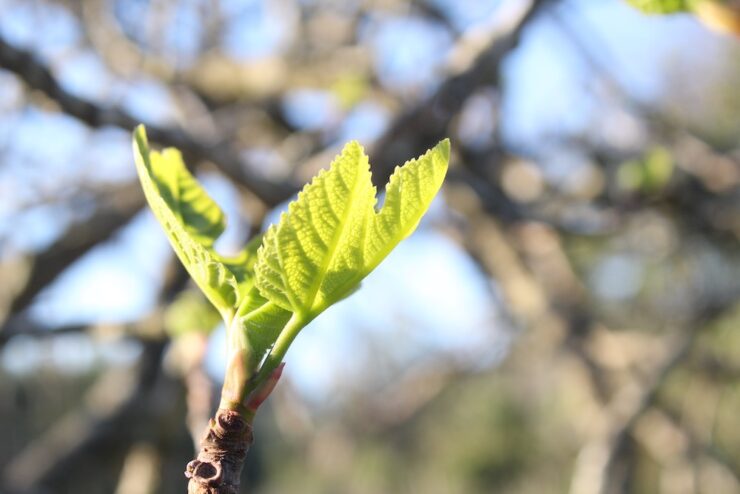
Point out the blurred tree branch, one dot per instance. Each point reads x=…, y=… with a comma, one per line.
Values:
x=591, y=387
x=116, y=210
x=426, y=123
x=38, y=76
x=85, y=433
x=104, y=421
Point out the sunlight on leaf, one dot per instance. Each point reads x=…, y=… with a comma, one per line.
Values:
x=191, y=220
x=332, y=236
x=661, y=6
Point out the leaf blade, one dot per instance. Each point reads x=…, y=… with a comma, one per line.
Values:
x=409, y=193
x=332, y=237
x=191, y=219
x=317, y=235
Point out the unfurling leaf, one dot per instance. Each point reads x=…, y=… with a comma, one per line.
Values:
x=332, y=236
x=191, y=220
x=190, y=312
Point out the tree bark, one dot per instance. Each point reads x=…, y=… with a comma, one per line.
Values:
x=218, y=468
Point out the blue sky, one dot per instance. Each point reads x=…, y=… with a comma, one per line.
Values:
x=428, y=296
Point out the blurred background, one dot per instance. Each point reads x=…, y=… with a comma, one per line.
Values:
x=565, y=320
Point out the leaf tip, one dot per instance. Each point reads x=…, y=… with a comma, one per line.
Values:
x=140, y=137
x=443, y=147
x=354, y=148
x=353, y=145
x=141, y=145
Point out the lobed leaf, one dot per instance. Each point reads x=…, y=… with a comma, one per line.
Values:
x=332, y=236
x=193, y=222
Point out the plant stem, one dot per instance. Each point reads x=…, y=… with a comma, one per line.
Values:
x=224, y=447
x=276, y=355
x=217, y=470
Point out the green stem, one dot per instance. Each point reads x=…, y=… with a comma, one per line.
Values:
x=276, y=355
x=235, y=388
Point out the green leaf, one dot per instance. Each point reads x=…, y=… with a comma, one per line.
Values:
x=649, y=174
x=661, y=6
x=257, y=325
x=257, y=322
x=332, y=236
x=191, y=220
x=190, y=312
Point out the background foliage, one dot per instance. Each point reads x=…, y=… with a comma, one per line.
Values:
x=564, y=321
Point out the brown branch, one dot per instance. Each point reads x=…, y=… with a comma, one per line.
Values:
x=75, y=438
x=597, y=467
x=85, y=433
x=23, y=324
x=697, y=442
x=223, y=450
x=219, y=463
x=411, y=133
x=115, y=212
x=424, y=125
x=217, y=470
x=37, y=76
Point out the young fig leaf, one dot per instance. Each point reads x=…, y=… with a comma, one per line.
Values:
x=191, y=220
x=332, y=236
